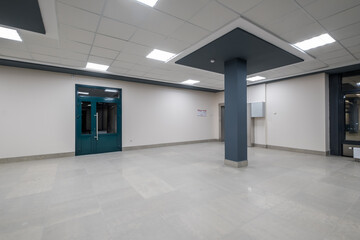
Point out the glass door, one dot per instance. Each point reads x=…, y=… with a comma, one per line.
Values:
x=98, y=120
x=351, y=117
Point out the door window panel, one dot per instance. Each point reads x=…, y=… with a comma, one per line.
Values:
x=85, y=117
x=96, y=92
x=352, y=117
x=107, y=117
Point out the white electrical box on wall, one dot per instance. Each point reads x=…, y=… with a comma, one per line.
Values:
x=356, y=153
x=257, y=110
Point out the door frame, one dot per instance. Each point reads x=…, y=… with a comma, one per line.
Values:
x=221, y=133
x=78, y=99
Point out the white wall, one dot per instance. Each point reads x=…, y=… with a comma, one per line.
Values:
x=257, y=93
x=297, y=113
x=37, y=112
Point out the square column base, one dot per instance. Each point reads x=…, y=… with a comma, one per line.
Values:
x=235, y=164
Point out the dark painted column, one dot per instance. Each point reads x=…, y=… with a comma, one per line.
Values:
x=235, y=113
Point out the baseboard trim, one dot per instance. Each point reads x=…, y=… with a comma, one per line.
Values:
x=168, y=144
x=298, y=150
x=37, y=157
x=259, y=145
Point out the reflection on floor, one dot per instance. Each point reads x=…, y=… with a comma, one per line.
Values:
x=181, y=192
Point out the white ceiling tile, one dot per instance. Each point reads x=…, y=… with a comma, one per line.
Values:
x=94, y=6
x=324, y=49
x=102, y=52
x=136, y=73
x=303, y=33
x=183, y=9
x=76, y=34
x=100, y=60
x=116, y=29
x=305, y=2
x=77, y=17
x=14, y=53
x=73, y=63
x=161, y=23
x=161, y=72
x=357, y=56
x=132, y=58
x=38, y=39
x=44, y=50
x=5, y=43
x=118, y=70
x=153, y=63
x=321, y=9
x=156, y=77
x=73, y=55
x=190, y=33
x=240, y=6
x=340, y=60
x=311, y=65
x=75, y=46
x=122, y=64
x=349, y=42
x=141, y=68
x=109, y=42
x=289, y=22
x=136, y=49
x=346, y=32
x=127, y=11
x=213, y=16
x=172, y=45
x=45, y=59
x=355, y=49
x=147, y=38
x=342, y=19
x=270, y=10
x=333, y=54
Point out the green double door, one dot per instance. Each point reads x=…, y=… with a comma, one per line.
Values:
x=98, y=122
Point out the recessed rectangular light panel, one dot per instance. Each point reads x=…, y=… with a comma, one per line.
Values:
x=315, y=42
x=190, y=82
x=257, y=78
x=95, y=66
x=10, y=34
x=150, y=3
x=160, y=55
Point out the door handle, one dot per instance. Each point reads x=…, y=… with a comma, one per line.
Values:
x=97, y=126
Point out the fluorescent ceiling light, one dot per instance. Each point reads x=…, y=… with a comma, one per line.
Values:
x=111, y=90
x=83, y=93
x=190, y=82
x=257, y=78
x=96, y=66
x=150, y=3
x=160, y=55
x=315, y=42
x=9, y=34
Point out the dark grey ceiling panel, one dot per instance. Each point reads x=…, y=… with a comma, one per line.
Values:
x=259, y=54
x=23, y=14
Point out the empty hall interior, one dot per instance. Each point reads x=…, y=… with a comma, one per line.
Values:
x=179, y=119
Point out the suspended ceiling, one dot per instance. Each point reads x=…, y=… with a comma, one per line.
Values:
x=121, y=33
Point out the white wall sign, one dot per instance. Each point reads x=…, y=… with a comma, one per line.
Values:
x=201, y=113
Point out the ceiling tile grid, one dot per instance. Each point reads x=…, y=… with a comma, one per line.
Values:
x=122, y=33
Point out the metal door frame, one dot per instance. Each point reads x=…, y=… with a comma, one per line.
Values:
x=79, y=99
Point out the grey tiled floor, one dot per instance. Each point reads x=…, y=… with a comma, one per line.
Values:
x=181, y=192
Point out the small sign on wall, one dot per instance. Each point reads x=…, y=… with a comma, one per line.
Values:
x=201, y=113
